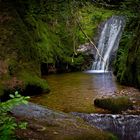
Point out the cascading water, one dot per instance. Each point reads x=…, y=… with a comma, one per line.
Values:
x=108, y=42
x=126, y=127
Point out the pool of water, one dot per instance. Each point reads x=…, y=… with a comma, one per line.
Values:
x=75, y=92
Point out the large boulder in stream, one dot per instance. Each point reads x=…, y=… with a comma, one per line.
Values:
x=45, y=124
x=114, y=104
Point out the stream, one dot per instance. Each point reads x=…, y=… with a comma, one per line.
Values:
x=75, y=92
x=126, y=127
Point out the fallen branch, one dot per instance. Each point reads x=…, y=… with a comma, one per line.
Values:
x=89, y=40
x=104, y=4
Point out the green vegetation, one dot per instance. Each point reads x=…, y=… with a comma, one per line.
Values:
x=44, y=32
x=55, y=125
x=127, y=66
x=90, y=17
x=36, y=32
x=33, y=84
x=26, y=83
x=115, y=105
x=18, y=53
x=8, y=123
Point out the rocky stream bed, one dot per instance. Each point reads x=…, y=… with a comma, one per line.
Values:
x=48, y=124
x=45, y=124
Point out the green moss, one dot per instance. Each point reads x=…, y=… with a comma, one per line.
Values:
x=26, y=82
x=46, y=32
x=115, y=105
x=33, y=84
x=127, y=66
x=90, y=18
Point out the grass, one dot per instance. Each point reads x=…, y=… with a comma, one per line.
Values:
x=115, y=105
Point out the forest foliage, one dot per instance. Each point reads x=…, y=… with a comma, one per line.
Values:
x=45, y=31
x=38, y=33
x=53, y=27
x=8, y=123
x=127, y=66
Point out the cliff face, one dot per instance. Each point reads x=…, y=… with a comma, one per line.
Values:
x=131, y=74
x=18, y=68
x=40, y=32
x=127, y=65
x=14, y=35
x=41, y=37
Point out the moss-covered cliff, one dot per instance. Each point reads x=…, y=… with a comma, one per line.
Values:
x=127, y=66
x=40, y=37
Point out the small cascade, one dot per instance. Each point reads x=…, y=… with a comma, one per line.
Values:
x=108, y=42
x=126, y=127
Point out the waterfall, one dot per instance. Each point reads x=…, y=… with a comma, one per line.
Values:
x=108, y=42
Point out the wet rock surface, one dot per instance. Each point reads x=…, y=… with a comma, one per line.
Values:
x=38, y=112
x=46, y=124
x=126, y=127
x=86, y=48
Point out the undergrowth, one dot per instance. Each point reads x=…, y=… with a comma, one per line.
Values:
x=8, y=123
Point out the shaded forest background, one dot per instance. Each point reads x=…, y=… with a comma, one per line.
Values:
x=41, y=36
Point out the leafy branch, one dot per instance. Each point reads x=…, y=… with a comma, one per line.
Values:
x=7, y=122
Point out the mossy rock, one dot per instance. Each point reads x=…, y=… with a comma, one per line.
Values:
x=115, y=105
x=33, y=84
x=26, y=83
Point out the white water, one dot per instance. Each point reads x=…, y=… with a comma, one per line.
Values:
x=126, y=127
x=108, y=43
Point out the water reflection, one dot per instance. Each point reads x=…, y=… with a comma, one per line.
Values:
x=104, y=83
x=76, y=91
